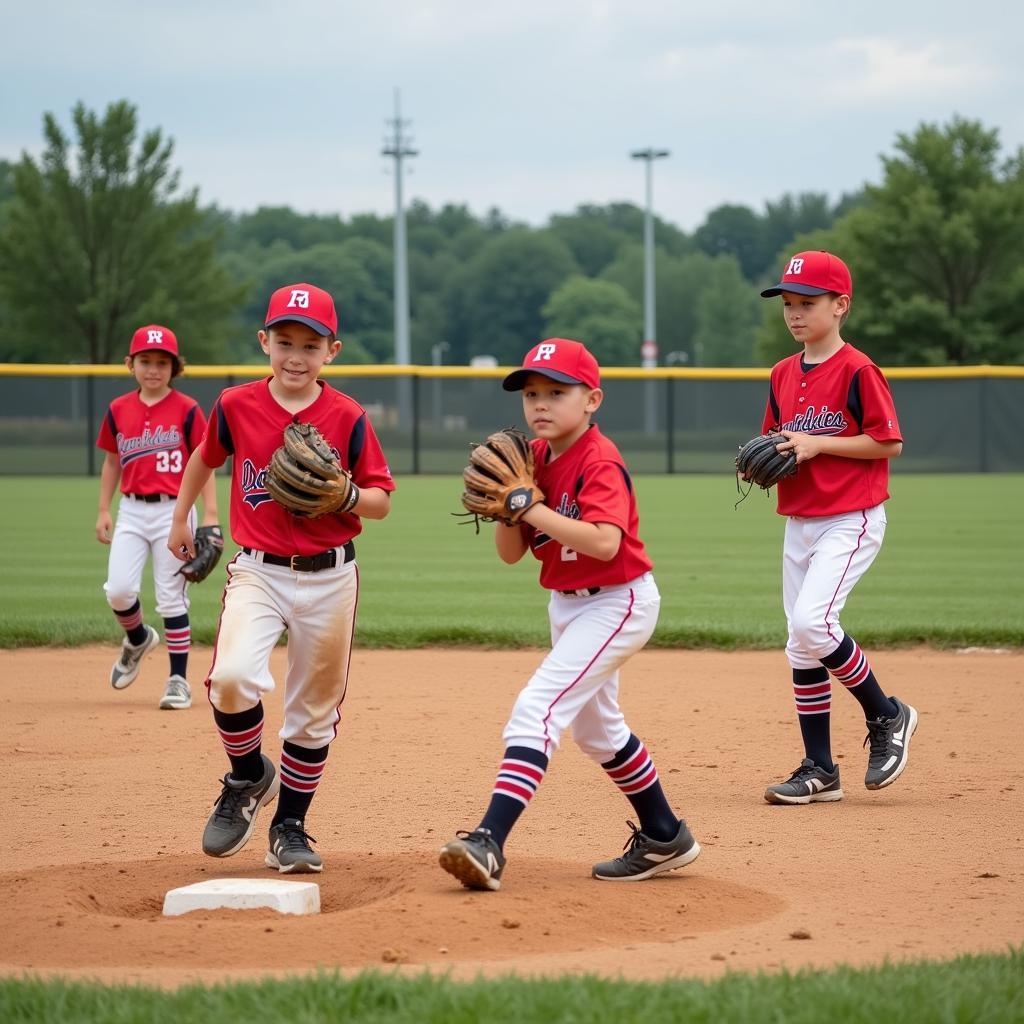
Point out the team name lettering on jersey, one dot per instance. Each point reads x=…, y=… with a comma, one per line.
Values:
x=567, y=508
x=146, y=443
x=254, y=484
x=811, y=422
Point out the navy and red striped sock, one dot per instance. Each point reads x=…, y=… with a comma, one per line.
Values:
x=301, y=770
x=849, y=665
x=633, y=771
x=130, y=620
x=812, y=691
x=242, y=734
x=519, y=775
x=178, y=637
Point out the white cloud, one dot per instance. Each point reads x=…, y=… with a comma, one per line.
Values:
x=869, y=69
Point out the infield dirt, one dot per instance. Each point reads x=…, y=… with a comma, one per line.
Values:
x=106, y=798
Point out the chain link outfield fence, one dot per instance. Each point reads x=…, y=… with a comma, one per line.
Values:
x=954, y=419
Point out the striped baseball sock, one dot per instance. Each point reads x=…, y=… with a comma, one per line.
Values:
x=178, y=636
x=633, y=771
x=519, y=775
x=849, y=665
x=131, y=622
x=301, y=769
x=812, y=691
x=242, y=734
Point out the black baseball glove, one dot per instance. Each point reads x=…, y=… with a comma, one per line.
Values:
x=760, y=461
x=209, y=544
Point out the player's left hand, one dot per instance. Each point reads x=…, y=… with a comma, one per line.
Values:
x=804, y=446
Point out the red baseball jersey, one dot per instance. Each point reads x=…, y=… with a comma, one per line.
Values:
x=248, y=424
x=589, y=482
x=844, y=396
x=153, y=442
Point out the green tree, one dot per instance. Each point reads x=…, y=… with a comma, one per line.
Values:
x=600, y=314
x=496, y=300
x=936, y=252
x=735, y=231
x=728, y=312
x=98, y=240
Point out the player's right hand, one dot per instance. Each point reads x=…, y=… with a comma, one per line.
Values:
x=180, y=542
x=104, y=527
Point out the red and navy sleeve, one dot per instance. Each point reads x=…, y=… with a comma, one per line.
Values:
x=876, y=412
x=194, y=427
x=603, y=496
x=217, y=444
x=107, y=437
x=366, y=459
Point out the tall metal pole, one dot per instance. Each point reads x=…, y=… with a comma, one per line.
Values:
x=398, y=147
x=649, y=346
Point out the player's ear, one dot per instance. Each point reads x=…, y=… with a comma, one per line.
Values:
x=594, y=400
x=264, y=338
x=333, y=348
x=129, y=361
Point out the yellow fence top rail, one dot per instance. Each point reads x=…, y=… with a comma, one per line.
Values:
x=250, y=371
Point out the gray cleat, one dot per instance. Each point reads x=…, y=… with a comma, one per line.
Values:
x=126, y=668
x=645, y=857
x=890, y=746
x=234, y=814
x=177, y=694
x=809, y=784
x=290, y=851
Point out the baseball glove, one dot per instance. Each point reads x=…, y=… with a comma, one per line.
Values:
x=761, y=463
x=499, y=478
x=209, y=544
x=305, y=477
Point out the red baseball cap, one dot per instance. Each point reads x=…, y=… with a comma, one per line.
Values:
x=154, y=338
x=305, y=304
x=813, y=273
x=560, y=359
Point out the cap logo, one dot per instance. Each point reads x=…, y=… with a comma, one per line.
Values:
x=154, y=337
x=299, y=299
x=545, y=352
x=795, y=267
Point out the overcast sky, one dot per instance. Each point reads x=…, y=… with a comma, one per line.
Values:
x=528, y=106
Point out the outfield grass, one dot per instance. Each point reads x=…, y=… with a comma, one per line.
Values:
x=951, y=571
x=975, y=989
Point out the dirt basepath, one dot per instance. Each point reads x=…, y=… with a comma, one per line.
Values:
x=106, y=798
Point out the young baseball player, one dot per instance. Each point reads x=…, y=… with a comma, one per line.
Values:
x=603, y=609
x=834, y=410
x=292, y=573
x=148, y=435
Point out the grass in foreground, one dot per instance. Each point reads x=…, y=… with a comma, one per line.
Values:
x=951, y=571
x=975, y=989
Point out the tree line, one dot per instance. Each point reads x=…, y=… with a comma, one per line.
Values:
x=97, y=236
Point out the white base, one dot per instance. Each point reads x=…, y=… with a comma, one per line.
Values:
x=244, y=894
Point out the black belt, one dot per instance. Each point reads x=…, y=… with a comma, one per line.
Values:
x=309, y=563
x=150, y=498
x=582, y=592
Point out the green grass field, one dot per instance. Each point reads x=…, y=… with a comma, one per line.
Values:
x=975, y=989
x=951, y=571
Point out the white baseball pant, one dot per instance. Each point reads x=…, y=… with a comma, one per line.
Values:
x=140, y=531
x=577, y=684
x=319, y=611
x=823, y=558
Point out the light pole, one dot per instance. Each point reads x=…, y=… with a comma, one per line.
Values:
x=649, y=347
x=435, y=359
x=397, y=146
